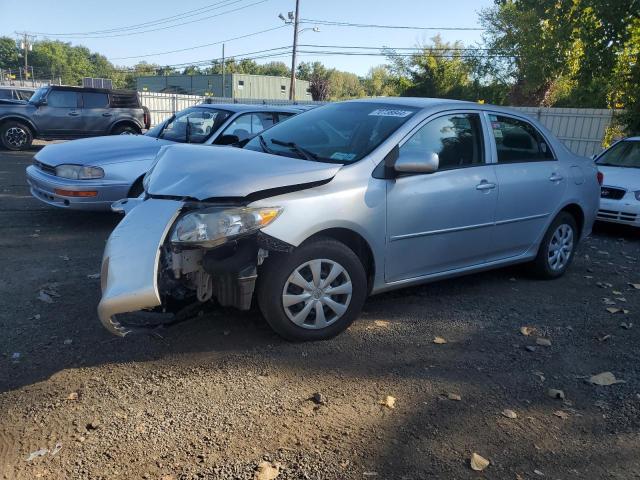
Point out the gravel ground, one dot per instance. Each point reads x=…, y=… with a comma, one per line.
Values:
x=218, y=396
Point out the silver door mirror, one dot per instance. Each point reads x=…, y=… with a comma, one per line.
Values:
x=415, y=162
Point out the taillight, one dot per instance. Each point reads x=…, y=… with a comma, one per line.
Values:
x=600, y=177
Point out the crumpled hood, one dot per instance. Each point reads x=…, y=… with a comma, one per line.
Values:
x=627, y=178
x=98, y=151
x=227, y=172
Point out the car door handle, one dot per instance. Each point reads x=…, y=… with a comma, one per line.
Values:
x=73, y=114
x=484, y=185
x=106, y=114
x=555, y=177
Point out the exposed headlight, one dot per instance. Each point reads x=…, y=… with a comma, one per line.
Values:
x=79, y=172
x=637, y=195
x=214, y=226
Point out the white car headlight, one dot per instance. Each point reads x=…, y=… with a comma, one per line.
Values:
x=637, y=195
x=214, y=226
x=79, y=172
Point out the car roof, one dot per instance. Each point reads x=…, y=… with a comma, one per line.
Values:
x=243, y=107
x=440, y=104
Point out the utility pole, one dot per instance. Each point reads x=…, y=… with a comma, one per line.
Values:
x=26, y=44
x=224, y=94
x=292, y=88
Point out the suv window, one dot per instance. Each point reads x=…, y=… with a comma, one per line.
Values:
x=62, y=99
x=95, y=100
x=24, y=94
x=5, y=93
x=457, y=139
x=518, y=141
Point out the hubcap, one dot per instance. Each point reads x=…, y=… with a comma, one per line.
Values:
x=560, y=247
x=16, y=136
x=317, y=294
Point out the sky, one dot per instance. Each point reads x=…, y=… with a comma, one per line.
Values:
x=73, y=16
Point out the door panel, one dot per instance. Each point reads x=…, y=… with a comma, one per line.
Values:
x=96, y=114
x=61, y=116
x=442, y=221
x=439, y=222
x=532, y=184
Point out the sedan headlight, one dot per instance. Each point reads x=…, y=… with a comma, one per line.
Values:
x=214, y=226
x=79, y=172
x=637, y=195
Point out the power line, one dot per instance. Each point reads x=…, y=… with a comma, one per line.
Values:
x=178, y=16
x=367, y=25
x=200, y=46
x=177, y=24
x=417, y=49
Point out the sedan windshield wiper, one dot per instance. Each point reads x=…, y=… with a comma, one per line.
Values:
x=302, y=152
x=264, y=145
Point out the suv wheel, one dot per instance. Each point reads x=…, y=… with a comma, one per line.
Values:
x=557, y=247
x=125, y=130
x=313, y=293
x=15, y=135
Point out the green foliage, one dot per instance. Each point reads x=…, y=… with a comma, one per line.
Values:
x=9, y=57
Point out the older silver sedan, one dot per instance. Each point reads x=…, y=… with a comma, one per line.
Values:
x=341, y=202
x=92, y=173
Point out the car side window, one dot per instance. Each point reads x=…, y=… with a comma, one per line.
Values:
x=282, y=116
x=5, y=94
x=62, y=99
x=457, y=139
x=95, y=100
x=518, y=141
x=248, y=125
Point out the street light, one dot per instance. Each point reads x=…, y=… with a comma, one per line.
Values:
x=293, y=19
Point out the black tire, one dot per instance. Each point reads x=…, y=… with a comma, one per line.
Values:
x=542, y=265
x=274, y=276
x=136, y=189
x=125, y=129
x=15, y=135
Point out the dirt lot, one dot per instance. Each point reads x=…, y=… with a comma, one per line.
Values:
x=216, y=396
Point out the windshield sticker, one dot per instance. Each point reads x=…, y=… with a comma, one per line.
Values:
x=383, y=112
x=343, y=156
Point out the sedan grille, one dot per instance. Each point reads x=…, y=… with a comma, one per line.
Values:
x=612, y=193
x=613, y=215
x=45, y=168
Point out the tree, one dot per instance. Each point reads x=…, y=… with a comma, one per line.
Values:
x=9, y=58
x=557, y=52
x=344, y=85
x=380, y=82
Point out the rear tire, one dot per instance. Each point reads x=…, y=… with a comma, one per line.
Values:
x=299, y=300
x=557, y=248
x=15, y=135
x=125, y=130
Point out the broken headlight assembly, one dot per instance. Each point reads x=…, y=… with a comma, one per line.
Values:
x=212, y=227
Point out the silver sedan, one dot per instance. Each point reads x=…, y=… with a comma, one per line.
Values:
x=92, y=173
x=345, y=201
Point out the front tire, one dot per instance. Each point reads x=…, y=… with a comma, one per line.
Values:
x=125, y=130
x=313, y=293
x=15, y=135
x=557, y=248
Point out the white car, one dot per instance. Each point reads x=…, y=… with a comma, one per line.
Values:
x=620, y=197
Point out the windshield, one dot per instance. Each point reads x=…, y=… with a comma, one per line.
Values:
x=337, y=133
x=198, y=124
x=624, y=154
x=39, y=94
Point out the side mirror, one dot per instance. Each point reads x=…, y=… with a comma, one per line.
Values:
x=417, y=163
x=227, y=140
x=41, y=103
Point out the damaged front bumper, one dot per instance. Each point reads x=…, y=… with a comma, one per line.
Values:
x=143, y=270
x=130, y=262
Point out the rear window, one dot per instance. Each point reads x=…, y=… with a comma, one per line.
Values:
x=95, y=100
x=124, y=99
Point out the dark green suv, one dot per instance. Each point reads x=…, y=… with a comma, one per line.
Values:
x=59, y=112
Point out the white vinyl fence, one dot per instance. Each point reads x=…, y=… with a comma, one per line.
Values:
x=581, y=129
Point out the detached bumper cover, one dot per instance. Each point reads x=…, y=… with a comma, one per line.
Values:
x=129, y=274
